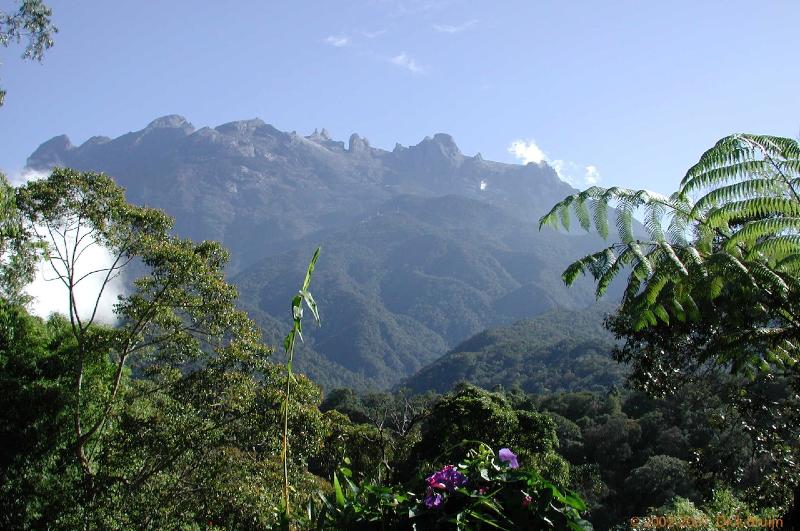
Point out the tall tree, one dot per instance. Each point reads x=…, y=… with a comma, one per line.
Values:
x=18, y=251
x=178, y=322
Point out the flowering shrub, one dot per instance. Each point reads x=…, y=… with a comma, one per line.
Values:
x=447, y=479
x=485, y=491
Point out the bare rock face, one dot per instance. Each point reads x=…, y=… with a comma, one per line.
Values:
x=424, y=245
x=51, y=153
x=171, y=121
x=358, y=144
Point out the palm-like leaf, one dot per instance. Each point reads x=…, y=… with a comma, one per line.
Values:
x=734, y=222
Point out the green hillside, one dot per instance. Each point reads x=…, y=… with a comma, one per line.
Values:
x=558, y=351
x=403, y=286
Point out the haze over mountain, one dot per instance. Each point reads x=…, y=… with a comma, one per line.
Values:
x=423, y=246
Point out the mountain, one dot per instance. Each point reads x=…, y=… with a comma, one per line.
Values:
x=558, y=351
x=423, y=246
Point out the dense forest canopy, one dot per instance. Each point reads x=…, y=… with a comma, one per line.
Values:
x=180, y=407
x=427, y=403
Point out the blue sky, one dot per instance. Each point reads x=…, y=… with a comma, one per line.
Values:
x=620, y=93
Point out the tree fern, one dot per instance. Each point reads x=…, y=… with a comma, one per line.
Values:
x=734, y=223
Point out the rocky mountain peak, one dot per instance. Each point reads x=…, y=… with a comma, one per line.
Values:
x=241, y=126
x=171, y=121
x=320, y=136
x=50, y=154
x=358, y=144
x=447, y=143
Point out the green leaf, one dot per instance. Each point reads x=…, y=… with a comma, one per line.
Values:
x=310, y=270
x=337, y=489
x=661, y=313
x=311, y=303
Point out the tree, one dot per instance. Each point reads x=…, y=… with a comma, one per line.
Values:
x=31, y=22
x=18, y=253
x=206, y=370
x=468, y=414
x=714, y=282
x=659, y=480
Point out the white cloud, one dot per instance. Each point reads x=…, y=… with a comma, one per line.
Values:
x=337, y=40
x=51, y=296
x=568, y=171
x=447, y=28
x=527, y=151
x=373, y=34
x=405, y=61
x=20, y=177
x=592, y=175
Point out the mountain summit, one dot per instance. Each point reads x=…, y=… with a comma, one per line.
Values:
x=423, y=246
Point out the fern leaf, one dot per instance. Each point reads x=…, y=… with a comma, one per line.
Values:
x=749, y=209
x=625, y=221
x=582, y=213
x=777, y=247
x=601, y=216
x=751, y=231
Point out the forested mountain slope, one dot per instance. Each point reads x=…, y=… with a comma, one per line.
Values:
x=557, y=351
x=423, y=246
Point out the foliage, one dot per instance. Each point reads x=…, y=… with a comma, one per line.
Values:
x=176, y=314
x=560, y=350
x=146, y=423
x=723, y=511
x=484, y=491
x=303, y=296
x=490, y=418
x=713, y=287
x=731, y=228
x=364, y=506
x=18, y=253
x=609, y=441
x=32, y=21
x=658, y=480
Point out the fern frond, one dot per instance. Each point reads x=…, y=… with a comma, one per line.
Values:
x=587, y=263
x=748, y=209
x=563, y=213
x=746, y=189
x=654, y=287
x=582, y=212
x=751, y=231
x=718, y=175
x=612, y=271
x=776, y=247
x=670, y=253
x=636, y=249
x=625, y=220
x=765, y=275
x=601, y=217
x=654, y=214
x=677, y=228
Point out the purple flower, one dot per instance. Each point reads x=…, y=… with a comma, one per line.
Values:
x=509, y=457
x=433, y=500
x=526, y=500
x=447, y=478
